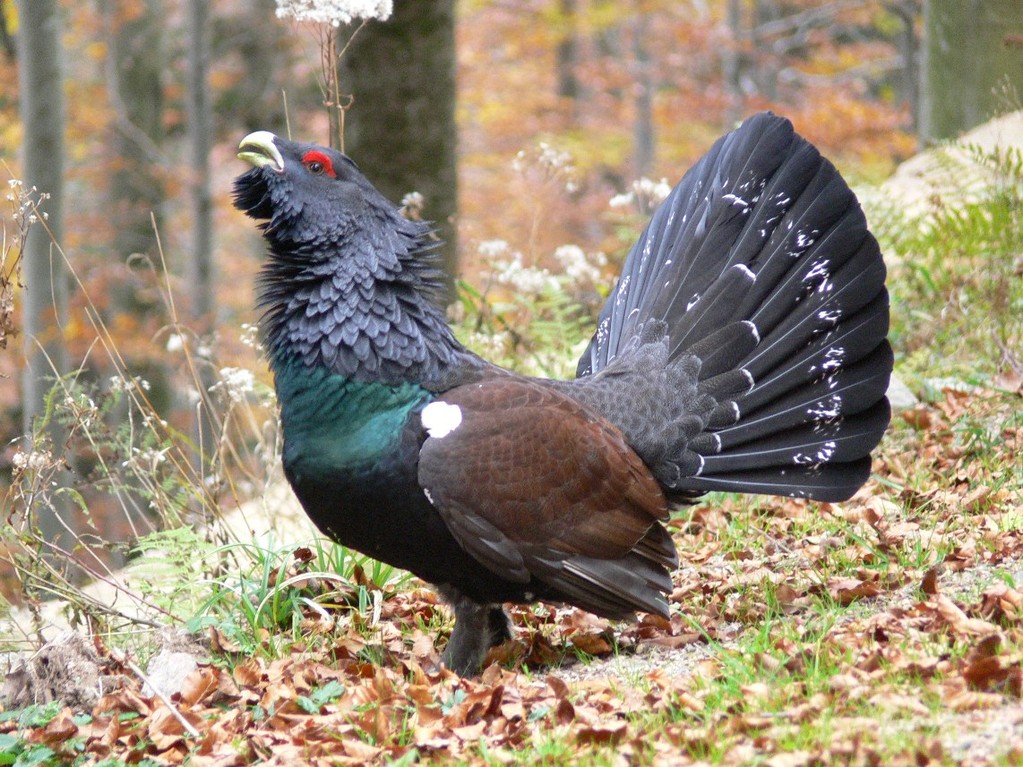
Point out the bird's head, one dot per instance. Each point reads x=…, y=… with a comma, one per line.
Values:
x=305, y=194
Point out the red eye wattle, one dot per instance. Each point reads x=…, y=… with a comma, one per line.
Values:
x=318, y=163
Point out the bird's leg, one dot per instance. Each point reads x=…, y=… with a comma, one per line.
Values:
x=477, y=628
x=499, y=624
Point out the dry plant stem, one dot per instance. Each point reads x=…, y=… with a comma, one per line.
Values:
x=49, y=579
x=139, y=397
x=331, y=88
x=120, y=657
x=332, y=98
x=1009, y=358
x=57, y=580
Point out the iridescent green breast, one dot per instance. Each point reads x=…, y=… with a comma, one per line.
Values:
x=333, y=424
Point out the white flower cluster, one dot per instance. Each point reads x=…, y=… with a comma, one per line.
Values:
x=496, y=344
x=554, y=158
x=579, y=266
x=334, y=12
x=250, y=335
x=491, y=249
x=122, y=384
x=236, y=383
x=512, y=271
x=36, y=461
x=27, y=201
x=412, y=205
x=145, y=460
x=526, y=279
x=82, y=407
x=645, y=193
x=555, y=163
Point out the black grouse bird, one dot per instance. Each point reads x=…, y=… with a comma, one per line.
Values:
x=743, y=349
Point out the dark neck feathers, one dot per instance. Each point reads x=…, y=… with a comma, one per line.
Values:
x=363, y=301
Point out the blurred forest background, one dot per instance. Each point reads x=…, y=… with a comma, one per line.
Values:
x=515, y=122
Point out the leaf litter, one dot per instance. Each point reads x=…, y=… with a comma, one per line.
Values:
x=886, y=630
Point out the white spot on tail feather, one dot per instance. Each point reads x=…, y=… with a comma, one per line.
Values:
x=737, y=201
x=753, y=328
x=441, y=418
x=824, y=453
x=826, y=409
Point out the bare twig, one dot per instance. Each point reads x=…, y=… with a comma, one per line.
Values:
x=120, y=657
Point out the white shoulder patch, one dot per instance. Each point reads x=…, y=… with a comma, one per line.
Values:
x=441, y=418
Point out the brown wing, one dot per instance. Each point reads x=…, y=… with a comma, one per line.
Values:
x=533, y=483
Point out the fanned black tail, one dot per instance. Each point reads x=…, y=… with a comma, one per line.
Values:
x=762, y=268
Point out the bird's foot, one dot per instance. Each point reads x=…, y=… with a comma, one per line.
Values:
x=478, y=627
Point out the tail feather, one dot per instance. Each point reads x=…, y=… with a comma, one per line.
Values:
x=671, y=252
x=811, y=444
x=832, y=300
x=761, y=271
x=727, y=385
x=708, y=312
x=825, y=356
x=791, y=277
x=853, y=392
x=838, y=483
x=776, y=201
x=724, y=349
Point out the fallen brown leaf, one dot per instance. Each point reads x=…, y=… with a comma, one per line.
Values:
x=929, y=585
x=602, y=734
x=200, y=683
x=959, y=621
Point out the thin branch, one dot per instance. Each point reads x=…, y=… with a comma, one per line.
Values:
x=807, y=18
x=332, y=98
x=120, y=657
x=790, y=75
x=124, y=123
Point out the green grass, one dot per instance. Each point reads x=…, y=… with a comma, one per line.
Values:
x=265, y=607
x=957, y=296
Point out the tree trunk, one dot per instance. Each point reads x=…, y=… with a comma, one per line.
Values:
x=643, y=119
x=136, y=191
x=567, y=56
x=401, y=126
x=134, y=80
x=972, y=58
x=256, y=101
x=908, y=11
x=200, y=263
x=40, y=84
x=731, y=65
x=766, y=63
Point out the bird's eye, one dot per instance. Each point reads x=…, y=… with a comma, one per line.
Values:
x=318, y=163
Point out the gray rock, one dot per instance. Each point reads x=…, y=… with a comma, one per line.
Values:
x=899, y=395
x=167, y=671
